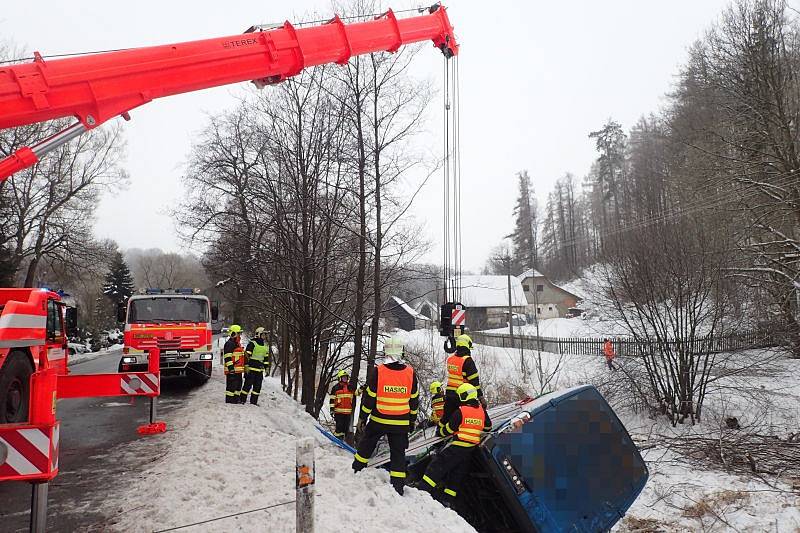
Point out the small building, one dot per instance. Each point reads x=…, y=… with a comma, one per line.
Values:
x=398, y=314
x=486, y=299
x=545, y=298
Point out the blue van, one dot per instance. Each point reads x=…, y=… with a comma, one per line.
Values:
x=562, y=462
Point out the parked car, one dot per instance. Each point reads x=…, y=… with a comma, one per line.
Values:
x=77, y=347
x=573, y=312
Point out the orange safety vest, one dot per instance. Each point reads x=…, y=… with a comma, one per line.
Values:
x=472, y=421
x=238, y=361
x=455, y=371
x=394, y=390
x=343, y=402
x=608, y=350
x=437, y=404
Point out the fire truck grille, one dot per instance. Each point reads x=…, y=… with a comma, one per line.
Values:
x=173, y=344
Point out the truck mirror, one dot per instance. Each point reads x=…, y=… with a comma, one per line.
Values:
x=71, y=319
x=121, y=312
x=214, y=311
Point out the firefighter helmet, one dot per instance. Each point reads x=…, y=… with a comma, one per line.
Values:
x=260, y=330
x=436, y=386
x=393, y=349
x=464, y=341
x=467, y=392
x=341, y=374
x=235, y=328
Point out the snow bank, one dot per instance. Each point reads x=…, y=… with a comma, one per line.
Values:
x=218, y=459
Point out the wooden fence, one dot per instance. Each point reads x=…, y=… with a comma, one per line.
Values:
x=624, y=346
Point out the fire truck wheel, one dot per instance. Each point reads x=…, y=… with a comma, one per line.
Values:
x=15, y=388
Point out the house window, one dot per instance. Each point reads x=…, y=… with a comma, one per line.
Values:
x=526, y=288
x=549, y=307
x=539, y=288
x=538, y=310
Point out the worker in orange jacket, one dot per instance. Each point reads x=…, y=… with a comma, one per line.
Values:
x=233, y=357
x=608, y=351
x=451, y=464
x=342, y=399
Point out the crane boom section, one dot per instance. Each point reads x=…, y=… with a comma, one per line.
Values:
x=95, y=88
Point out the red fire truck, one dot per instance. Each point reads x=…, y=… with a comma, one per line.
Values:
x=178, y=323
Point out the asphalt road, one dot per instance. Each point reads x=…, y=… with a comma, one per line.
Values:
x=91, y=462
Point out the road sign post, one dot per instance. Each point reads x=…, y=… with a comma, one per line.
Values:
x=304, y=486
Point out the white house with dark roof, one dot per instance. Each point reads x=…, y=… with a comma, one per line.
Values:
x=486, y=299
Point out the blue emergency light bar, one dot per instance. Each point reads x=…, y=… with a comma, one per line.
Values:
x=151, y=290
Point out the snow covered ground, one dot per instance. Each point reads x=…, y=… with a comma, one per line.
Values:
x=567, y=327
x=219, y=459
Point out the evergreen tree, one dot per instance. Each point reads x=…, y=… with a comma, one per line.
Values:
x=118, y=286
x=526, y=223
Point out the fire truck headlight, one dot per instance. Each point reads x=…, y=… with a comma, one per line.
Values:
x=206, y=356
x=128, y=360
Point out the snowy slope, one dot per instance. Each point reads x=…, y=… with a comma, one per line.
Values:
x=218, y=459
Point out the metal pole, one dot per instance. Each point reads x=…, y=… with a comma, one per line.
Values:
x=510, y=308
x=153, y=409
x=38, y=507
x=304, y=486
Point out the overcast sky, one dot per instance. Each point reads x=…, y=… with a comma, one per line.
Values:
x=536, y=77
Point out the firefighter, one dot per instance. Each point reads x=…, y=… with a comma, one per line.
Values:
x=234, y=365
x=390, y=400
x=257, y=353
x=450, y=465
x=461, y=369
x=437, y=402
x=342, y=398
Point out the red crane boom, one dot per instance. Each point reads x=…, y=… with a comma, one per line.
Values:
x=98, y=87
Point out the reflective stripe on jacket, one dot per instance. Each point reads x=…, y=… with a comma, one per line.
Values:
x=469, y=430
x=394, y=390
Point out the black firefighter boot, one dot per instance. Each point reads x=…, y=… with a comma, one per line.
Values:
x=398, y=483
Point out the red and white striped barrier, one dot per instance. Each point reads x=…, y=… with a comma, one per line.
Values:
x=140, y=383
x=458, y=317
x=29, y=453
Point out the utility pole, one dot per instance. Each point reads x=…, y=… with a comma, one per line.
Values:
x=510, y=306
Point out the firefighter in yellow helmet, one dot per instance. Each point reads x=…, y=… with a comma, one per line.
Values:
x=390, y=401
x=257, y=353
x=437, y=402
x=451, y=464
x=233, y=358
x=461, y=369
x=342, y=399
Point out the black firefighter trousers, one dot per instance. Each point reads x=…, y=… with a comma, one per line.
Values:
x=398, y=443
x=233, y=388
x=451, y=405
x=447, y=470
x=252, y=378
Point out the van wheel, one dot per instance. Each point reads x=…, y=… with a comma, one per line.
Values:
x=15, y=388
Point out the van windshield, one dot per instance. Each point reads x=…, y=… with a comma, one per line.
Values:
x=172, y=309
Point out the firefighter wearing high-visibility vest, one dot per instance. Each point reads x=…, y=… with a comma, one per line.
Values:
x=233, y=358
x=461, y=369
x=445, y=472
x=342, y=398
x=257, y=353
x=390, y=401
x=437, y=402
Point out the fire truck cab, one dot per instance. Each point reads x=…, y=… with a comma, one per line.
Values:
x=178, y=323
x=33, y=336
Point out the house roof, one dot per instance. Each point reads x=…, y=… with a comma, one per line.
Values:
x=408, y=309
x=530, y=273
x=491, y=291
x=425, y=301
